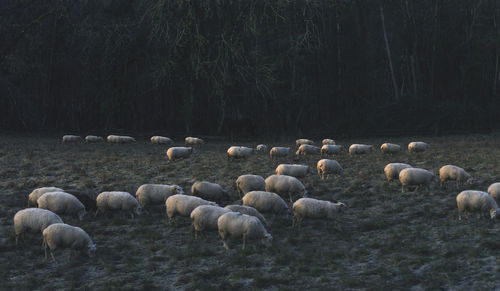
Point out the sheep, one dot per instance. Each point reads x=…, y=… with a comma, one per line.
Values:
x=494, y=191
x=209, y=191
x=183, y=205
x=328, y=141
x=416, y=177
x=156, y=194
x=205, y=217
x=302, y=141
x=330, y=149
x=277, y=152
x=307, y=149
x=236, y=225
x=71, y=138
x=329, y=167
x=85, y=198
x=247, y=183
x=161, y=140
x=294, y=170
x=316, y=209
x=239, y=152
x=261, y=149
x=35, y=194
x=476, y=201
x=33, y=220
x=390, y=148
x=266, y=202
x=285, y=185
x=93, y=138
x=175, y=153
x=193, y=141
x=62, y=203
x=417, y=146
x=248, y=210
x=61, y=235
x=392, y=170
x=117, y=200
x=450, y=172
x=120, y=139
x=359, y=149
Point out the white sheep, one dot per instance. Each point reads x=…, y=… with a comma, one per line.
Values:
x=359, y=149
x=117, y=200
x=454, y=173
x=302, y=141
x=390, y=148
x=205, y=217
x=175, y=153
x=183, y=205
x=33, y=220
x=285, y=186
x=266, y=202
x=294, y=170
x=494, y=191
x=392, y=170
x=278, y=152
x=416, y=177
x=326, y=167
x=60, y=235
x=120, y=139
x=476, y=201
x=193, y=141
x=237, y=225
x=417, y=146
x=71, y=138
x=156, y=194
x=35, y=194
x=248, y=210
x=209, y=191
x=327, y=149
x=328, y=141
x=62, y=203
x=261, y=149
x=247, y=183
x=161, y=140
x=307, y=149
x=316, y=209
x=93, y=138
x=239, y=152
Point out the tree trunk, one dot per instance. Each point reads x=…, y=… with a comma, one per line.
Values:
x=388, y=50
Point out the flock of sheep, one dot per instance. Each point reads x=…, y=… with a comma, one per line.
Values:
x=258, y=195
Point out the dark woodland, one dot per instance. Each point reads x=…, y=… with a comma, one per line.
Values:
x=250, y=67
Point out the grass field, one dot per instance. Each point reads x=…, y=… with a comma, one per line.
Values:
x=386, y=240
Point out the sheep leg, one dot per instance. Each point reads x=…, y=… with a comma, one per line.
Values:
x=17, y=239
x=244, y=241
x=402, y=188
x=224, y=242
x=96, y=212
x=52, y=255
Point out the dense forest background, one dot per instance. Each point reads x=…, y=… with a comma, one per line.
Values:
x=250, y=67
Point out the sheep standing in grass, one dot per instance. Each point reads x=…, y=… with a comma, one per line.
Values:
x=302, y=141
x=417, y=146
x=237, y=225
x=416, y=177
x=261, y=149
x=62, y=203
x=454, y=173
x=392, y=170
x=476, y=201
x=33, y=220
x=330, y=149
x=248, y=210
x=183, y=205
x=278, y=152
x=205, y=217
x=239, y=152
x=285, y=186
x=209, y=191
x=247, y=183
x=307, y=149
x=71, y=138
x=494, y=191
x=93, y=138
x=156, y=194
x=360, y=149
x=85, y=198
x=161, y=140
x=390, y=148
x=266, y=202
x=120, y=139
x=117, y=200
x=60, y=235
x=33, y=196
x=193, y=141
x=328, y=141
x=175, y=153
x=328, y=167
x=316, y=209
x=294, y=170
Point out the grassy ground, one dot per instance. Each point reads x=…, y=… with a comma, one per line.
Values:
x=386, y=240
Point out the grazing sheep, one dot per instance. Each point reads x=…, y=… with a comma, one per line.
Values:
x=120, y=139
x=239, y=152
x=450, y=172
x=294, y=170
x=390, y=148
x=277, y=152
x=117, y=200
x=248, y=210
x=416, y=177
x=330, y=149
x=175, y=153
x=205, y=217
x=193, y=141
x=328, y=141
x=71, y=138
x=359, y=149
x=266, y=202
x=93, y=138
x=261, y=149
x=392, y=170
x=33, y=196
x=307, y=149
x=60, y=235
x=33, y=220
x=62, y=203
x=85, y=198
x=237, y=225
x=329, y=167
x=494, y=191
x=247, y=183
x=285, y=186
x=161, y=140
x=209, y=191
x=156, y=194
x=417, y=146
x=316, y=209
x=476, y=201
x=302, y=141
x=183, y=205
